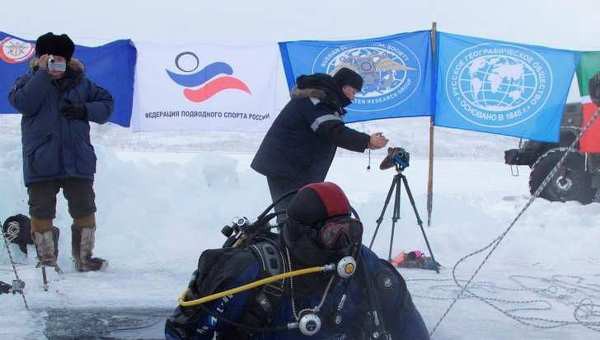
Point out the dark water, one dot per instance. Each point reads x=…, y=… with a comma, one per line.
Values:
x=102, y=323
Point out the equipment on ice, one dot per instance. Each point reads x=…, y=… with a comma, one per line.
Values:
x=414, y=259
x=18, y=230
x=18, y=285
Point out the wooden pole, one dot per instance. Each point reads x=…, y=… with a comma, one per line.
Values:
x=431, y=132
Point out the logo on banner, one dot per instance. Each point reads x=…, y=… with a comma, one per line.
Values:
x=204, y=84
x=391, y=72
x=14, y=51
x=498, y=85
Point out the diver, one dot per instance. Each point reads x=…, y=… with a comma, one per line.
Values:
x=354, y=295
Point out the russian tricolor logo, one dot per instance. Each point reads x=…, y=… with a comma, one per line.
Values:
x=203, y=84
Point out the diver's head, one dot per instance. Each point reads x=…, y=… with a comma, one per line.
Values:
x=319, y=229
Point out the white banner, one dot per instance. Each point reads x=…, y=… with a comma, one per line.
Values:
x=206, y=87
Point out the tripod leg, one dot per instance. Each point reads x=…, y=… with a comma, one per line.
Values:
x=412, y=202
x=395, y=215
x=387, y=201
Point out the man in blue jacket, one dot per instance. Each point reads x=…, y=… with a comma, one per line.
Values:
x=318, y=231
x=57, y=102
x=300, y=145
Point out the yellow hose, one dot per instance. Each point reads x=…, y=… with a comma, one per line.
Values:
x=248, y=286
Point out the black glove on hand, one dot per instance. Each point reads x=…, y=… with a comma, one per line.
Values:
x=4, y=287
x=74, y=111
x=594, y=88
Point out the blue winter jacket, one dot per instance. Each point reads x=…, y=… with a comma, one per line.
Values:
x=55, y=147
x=302, y=142
x=343, y=317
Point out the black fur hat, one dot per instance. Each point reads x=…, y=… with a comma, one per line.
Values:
x=60, y=45
x=346, y=76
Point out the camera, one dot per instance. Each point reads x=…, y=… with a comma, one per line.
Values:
x=53, y=65
x=396, y=157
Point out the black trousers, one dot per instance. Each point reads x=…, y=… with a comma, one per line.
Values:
x=79, y=193
x=279, y=186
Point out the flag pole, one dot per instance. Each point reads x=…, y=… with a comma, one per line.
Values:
x=431, y=133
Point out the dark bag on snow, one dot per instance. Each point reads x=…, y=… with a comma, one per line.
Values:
x=17, y=229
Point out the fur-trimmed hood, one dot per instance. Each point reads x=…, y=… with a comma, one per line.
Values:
x=323, y=87
x=308, y=93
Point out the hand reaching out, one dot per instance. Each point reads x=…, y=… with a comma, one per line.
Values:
x=377, y=141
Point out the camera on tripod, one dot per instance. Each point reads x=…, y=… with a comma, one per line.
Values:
x=396, y=157
x=399, y=159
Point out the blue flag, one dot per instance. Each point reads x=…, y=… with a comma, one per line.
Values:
x=397, y=72
x=111, y=66
x=502, y=88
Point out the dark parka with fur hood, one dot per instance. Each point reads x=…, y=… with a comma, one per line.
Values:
x=301, y=143
x=55, y=147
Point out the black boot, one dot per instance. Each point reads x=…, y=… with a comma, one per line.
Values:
x=82, y=242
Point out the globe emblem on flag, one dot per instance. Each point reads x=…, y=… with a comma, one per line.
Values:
x=382, y=71
x=15, y=51
x=391, y=73
x=499, y=85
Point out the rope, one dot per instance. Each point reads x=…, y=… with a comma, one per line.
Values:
x=496, y=242
x=11, y=233
x=578, y=295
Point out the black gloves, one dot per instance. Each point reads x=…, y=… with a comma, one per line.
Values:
x=594, y=88
x=74, y=110
x=4, y=288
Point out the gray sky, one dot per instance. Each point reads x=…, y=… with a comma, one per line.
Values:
x=568, y=24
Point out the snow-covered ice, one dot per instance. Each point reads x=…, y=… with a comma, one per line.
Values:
x=157, y=211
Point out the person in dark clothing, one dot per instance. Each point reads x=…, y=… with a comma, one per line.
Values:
x=594, y=89
x=57, y=102
x=319, y=231
x=300, y=145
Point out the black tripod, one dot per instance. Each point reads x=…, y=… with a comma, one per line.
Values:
x=395, y=189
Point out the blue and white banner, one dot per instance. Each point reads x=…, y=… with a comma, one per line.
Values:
x=206, y=87
x=502, y=88
x=111, y=66
x=397, y=72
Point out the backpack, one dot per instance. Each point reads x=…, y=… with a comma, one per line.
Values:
x=246, y=245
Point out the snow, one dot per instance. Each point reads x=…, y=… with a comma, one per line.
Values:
x=157, y=210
